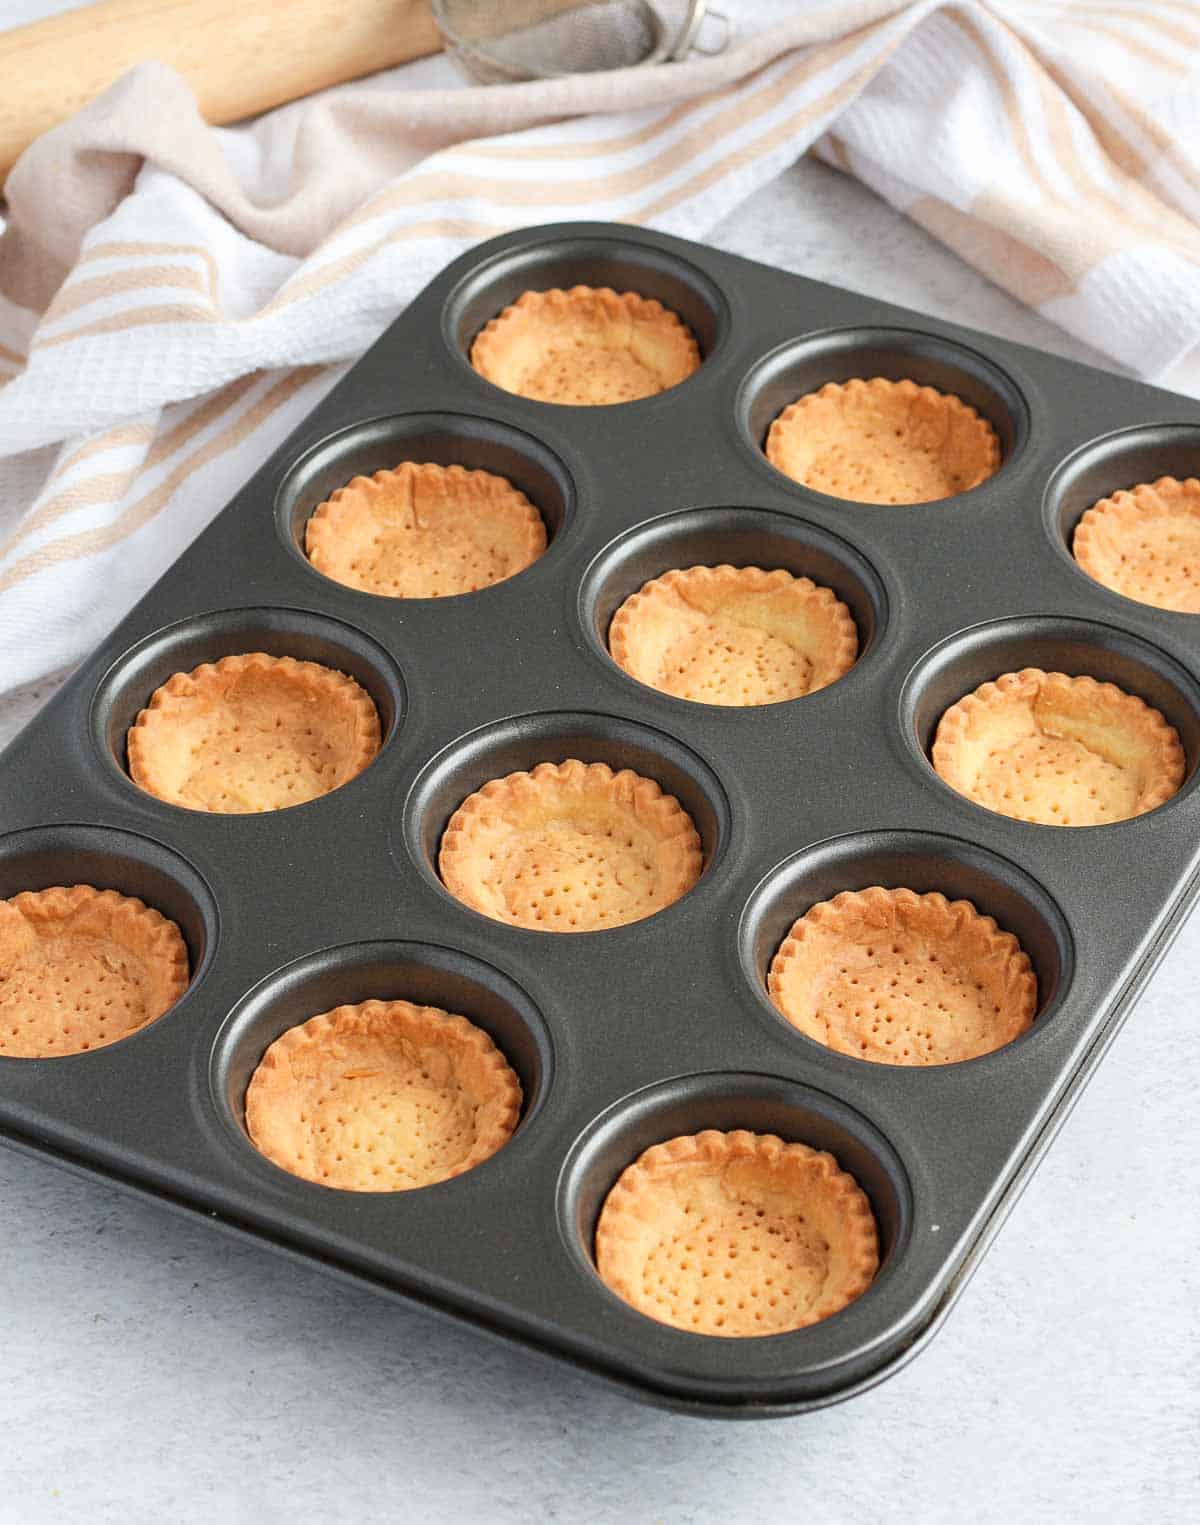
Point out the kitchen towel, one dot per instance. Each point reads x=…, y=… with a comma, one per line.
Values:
x=174, y=297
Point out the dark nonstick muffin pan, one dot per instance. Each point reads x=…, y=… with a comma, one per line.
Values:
x=624, y=1038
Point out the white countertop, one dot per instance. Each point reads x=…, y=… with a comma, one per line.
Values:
x=156, y=1371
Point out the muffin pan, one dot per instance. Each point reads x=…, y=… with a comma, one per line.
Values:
x=624, y=1038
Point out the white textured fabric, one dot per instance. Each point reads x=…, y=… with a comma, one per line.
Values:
x=173, y=297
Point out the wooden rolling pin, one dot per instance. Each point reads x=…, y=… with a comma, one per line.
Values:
x=239, y=56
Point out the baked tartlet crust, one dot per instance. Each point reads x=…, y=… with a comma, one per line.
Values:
x=1145, y=543
x=81, y=968
x=734, y=635
x=252, y=733
x=570, y=847
x=881, y=441
x=1057, y=750
x=382, y=1096
x=901, y=978
x=586, y=346
x=424, y=531
x=736, y=1234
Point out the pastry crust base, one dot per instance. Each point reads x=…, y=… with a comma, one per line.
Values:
x=734, y=635
x=901, y=978
x=570, y=847
x=81, y=968
x=382, y=1096
x=424, y=531
x=1056, y=750
x=587, y=346
x=252, y=733
x=737, y=1234
x=1145, y=543
x=883, y=441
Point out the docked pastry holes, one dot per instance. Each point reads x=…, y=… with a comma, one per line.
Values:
x=734, y=636
x=736, y=1234
x=1058, y=750
x=81, y=968
x=901, y=978
x=252, y=733
x=424, y=531
x=382, y=1096
x=586, y=346
x=1145, y=543
x=570, y=847
x=883, y=441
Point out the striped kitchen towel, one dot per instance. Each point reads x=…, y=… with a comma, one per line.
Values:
x=174, y=297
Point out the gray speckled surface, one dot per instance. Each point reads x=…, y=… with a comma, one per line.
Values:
x=156, y=1371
